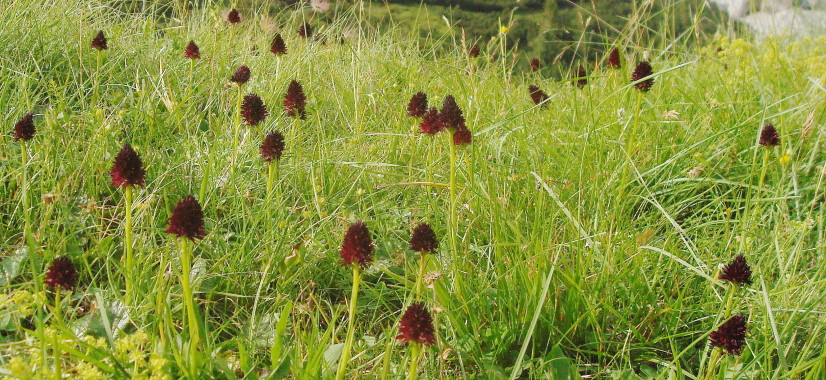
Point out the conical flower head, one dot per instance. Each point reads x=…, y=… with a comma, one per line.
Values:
x=357, y=248
x=451, y=114
x=24, y=128
x=537, y=95
x=417, y=325
x=128, y=168
x=273, y=146
x=474, y=51
x=234, y=17
x=423, y=239
x=535, y=64
x=769, y=136
x=99, y=41
x=737, y=272
x=253, y=109
x=192, y=51
x=462, y=136
x=61, y=273
x=418, y=105
x=187, y=219
x=305, y=30
x=730, y=336
x=582, y=77
x=643, y=70
x=241, y=75
x=294, y=101
x=278, y=46
x=614, y=59
x=431, y=123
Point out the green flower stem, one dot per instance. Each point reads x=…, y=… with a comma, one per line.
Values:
x=420, y=276
x=27, y=213
x=414, y=360
x=58, y=315
x=453, y=229
x=236, y=124
x=186, y=267
x=272, y=174
x=96, y=93
x=351, y=315
x=130, y=258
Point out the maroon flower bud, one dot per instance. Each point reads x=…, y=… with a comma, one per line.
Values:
x=643, y=70
x=61, y=273
x=273, y=146
x=241, y=75
x=233, y=17
x=417, y=325
x=431, y=123
x=451, y=114
x=357, y=248
x=295, y=101
x=423, y=239
x=99, y=41
x=537, y=95
x=582, y=77
x=192, y=51
x=737, y=272
x=305, y=30
x=187, y=219
x=731, y=335
x=24, y=128
x=536, y=64
x=614, y=59
x=462, y=136
x=278, y=46
x=474, y=51
x=127, y=169
x=253, y=109
x=418, y=105
x=769, y=136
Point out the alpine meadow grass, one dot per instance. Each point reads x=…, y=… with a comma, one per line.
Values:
x=661, y=218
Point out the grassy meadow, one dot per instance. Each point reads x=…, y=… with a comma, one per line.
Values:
x=580, y=237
